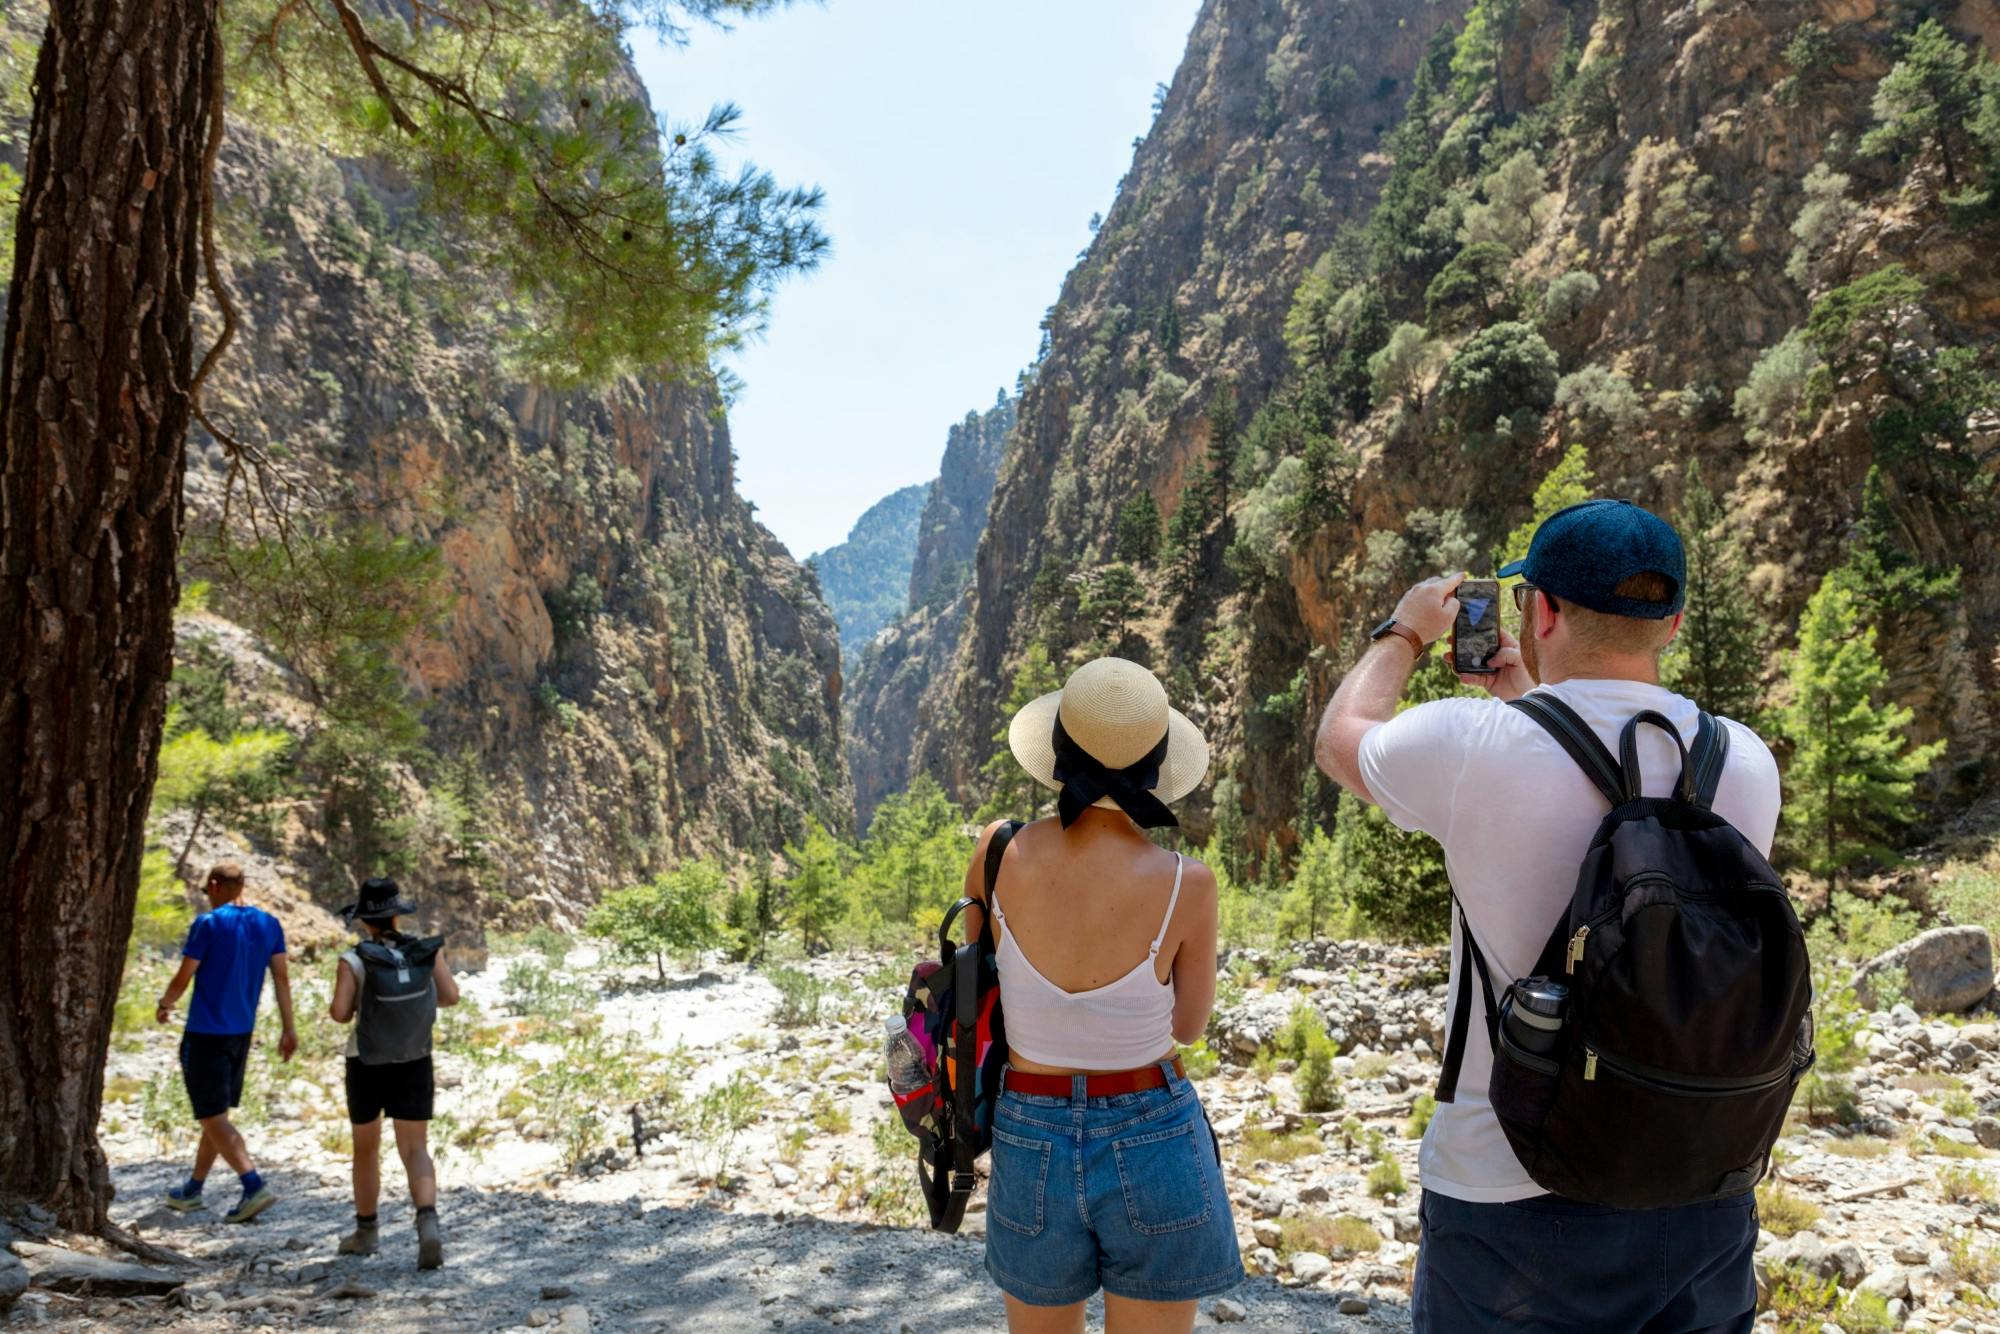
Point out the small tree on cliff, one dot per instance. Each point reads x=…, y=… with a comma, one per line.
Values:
x=1930, y=98
x=621, y=255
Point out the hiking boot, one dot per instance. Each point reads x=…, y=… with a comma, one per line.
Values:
x=186, y=1197
x=363, y=1240
x=430, y=1240
x=252, y=1204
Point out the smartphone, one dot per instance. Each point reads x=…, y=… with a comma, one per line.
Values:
x=1475, y=634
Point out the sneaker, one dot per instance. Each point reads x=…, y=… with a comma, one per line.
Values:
x=430, y=1241
x=250, y=1205
x=361, y=1241
x=186, y=1197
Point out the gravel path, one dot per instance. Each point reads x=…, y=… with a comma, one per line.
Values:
x=517, y=1259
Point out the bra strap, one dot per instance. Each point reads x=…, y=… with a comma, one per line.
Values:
x=1179, y=866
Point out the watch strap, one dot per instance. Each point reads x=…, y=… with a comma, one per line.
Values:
x=1405, y=633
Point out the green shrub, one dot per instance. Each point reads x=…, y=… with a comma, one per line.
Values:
x=1827, y=1097
x=1385, y=1179
x=1318, y=1089
x=1835, y=315
x=1199, y=1059
x=1339, y=1237
x=1770, y=401
x=800, y=995
x=1421, y=1112
x=1599, y=400
x=1567, y=298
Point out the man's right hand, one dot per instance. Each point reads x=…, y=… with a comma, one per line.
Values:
x=1510, y=680
x=163, y=1013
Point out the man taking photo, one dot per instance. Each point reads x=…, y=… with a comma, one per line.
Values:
x=227, y=950
x=1602, y=597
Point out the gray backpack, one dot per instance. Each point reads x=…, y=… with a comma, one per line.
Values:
x=398, y=1001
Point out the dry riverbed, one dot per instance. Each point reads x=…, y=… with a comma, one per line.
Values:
x=717, y=1152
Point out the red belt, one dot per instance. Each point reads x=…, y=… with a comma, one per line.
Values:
x=1094, y=1086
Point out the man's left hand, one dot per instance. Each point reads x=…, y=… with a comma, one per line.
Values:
x=288, y=1043
x=1431, y=606
x=162, y=1013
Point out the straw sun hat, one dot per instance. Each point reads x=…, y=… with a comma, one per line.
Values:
x=1116, y=713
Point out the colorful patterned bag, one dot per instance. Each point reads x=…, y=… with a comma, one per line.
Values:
x=953, y=1009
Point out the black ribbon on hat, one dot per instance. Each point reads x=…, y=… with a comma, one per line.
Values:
x=1085, y=778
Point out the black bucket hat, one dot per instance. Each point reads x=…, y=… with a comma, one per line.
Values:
x=381, y=899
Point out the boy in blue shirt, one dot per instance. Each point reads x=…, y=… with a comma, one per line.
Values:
x=227, y=951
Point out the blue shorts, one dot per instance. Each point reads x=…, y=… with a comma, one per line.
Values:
x=1123, y=1193
x=1554, y=1266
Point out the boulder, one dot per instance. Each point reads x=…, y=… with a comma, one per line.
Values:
x=13, y=1279
x=1310, y=1266
x=1943, y=971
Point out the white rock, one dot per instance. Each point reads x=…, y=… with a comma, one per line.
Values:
x=1887, y=1281
x=784, y=1174
x=1310, y=1266
x=1227, y=1312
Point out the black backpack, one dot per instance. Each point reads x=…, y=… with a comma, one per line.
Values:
x=952, y=1007
x=1688, y=1019
x=397, y=1004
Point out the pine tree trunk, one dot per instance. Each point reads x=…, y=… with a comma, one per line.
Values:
x=94, y=373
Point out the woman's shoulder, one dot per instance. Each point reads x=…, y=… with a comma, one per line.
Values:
x=1197, y=879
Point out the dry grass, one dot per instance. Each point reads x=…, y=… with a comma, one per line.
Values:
x=1860, y=1146
x=1939, y=1147
x=1337, y=1237
x=1783, y=1213
x=1278, y=1146
x=1963, y=1185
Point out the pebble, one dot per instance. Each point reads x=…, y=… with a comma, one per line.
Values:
x=1227, y=1312
x=574, y=1319
x=1353, y=1306
x=555, y=1292
x=1310, y=1266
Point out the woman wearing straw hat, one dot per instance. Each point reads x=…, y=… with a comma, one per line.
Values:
x=1105, y=1172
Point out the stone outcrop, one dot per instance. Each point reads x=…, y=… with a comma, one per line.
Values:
x=636, y=668
x=1943, y=971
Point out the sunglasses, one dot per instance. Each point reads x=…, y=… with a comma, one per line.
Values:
x=1521, y=592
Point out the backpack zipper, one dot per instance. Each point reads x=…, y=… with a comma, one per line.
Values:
x=1686, y=1086
x=1575, y=953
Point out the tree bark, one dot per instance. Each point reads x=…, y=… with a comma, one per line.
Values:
x=94, y=405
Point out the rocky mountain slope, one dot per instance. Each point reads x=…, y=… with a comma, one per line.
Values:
x=866, y=579
x=1656, y=230
x=630, y=667
x=888, y=678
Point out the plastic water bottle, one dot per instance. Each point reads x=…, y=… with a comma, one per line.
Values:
x=905, y=1057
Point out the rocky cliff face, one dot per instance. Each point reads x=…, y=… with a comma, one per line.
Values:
x=889, y=685
x=865, y=579
x=1667, y=155
x=633, y=667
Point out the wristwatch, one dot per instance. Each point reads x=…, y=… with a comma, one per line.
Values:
x=1394, y=627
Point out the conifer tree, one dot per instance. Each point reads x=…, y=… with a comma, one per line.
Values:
x=1225, y=438
x=1853, y=770
x=1313, y=902
x=1929, y=97
x=1718, y=658
x=1395, y=879
x=1137, y=536
x=1186, y=534
x=1011, y=793
x=813, y=899
x=1570, y=482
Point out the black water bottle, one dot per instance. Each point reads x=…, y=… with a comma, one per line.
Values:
x=1532, y=1014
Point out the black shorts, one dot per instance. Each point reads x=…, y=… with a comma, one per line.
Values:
x=212, y=1064
x=401, y=1092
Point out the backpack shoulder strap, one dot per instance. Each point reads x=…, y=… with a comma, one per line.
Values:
x=1573, y=734
x=1470, y=959
x=1705, y=760
x=996, y=848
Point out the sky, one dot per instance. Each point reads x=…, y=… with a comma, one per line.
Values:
x=963, y=148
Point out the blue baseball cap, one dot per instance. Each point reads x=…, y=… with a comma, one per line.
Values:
x=1581, y=555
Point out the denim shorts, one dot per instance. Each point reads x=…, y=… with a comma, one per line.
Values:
x=1123, y=1193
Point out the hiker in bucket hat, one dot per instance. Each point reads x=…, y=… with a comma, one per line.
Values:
x=1106, y=950
x=389, y=986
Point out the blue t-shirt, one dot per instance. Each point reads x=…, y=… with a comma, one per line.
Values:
x=234, y=945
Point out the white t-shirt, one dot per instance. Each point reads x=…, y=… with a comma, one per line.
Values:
x=1515, y=815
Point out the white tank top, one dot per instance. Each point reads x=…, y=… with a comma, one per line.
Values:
x=1121, y=1025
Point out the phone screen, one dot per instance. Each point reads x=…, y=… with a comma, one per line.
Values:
x=1475, y=634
